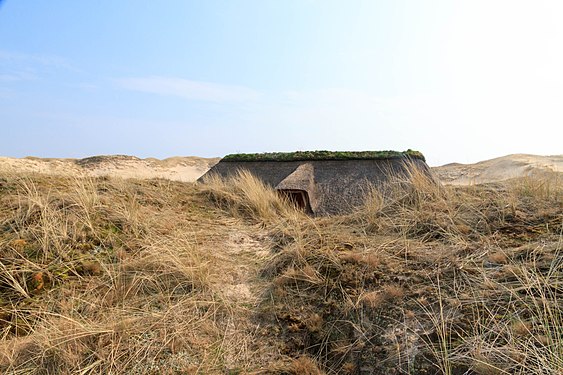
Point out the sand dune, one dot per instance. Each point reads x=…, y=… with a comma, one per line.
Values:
x=499, y=169
x=185, y=169
x=190, y=168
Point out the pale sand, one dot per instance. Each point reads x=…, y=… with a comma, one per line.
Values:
x=500, y=169
x=190, y=168
x=186, y=169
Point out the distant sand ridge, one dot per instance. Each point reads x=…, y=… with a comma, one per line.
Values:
x=184, y=169
x=499, y=169
x=190, y=168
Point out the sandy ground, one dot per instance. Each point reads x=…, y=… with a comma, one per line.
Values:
x=190, y=168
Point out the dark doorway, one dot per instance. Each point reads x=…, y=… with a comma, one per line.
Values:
x=299, y=198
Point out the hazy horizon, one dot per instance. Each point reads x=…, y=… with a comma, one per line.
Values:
x=460, y=82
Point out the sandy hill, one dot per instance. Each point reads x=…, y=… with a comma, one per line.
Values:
x=500, y=169
x=190, y=168
x=186, y=169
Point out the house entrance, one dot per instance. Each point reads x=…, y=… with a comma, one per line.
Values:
x=299, y=198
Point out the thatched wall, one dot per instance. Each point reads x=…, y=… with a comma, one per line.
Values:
x=334, y=186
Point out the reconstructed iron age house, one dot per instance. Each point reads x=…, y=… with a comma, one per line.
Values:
x=322, y=182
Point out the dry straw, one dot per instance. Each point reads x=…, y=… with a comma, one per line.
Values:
x=107, y=276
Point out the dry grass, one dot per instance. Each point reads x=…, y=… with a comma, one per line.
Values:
x=109, y=276
x=122, y=276
x=246, y=196
x=431, y=279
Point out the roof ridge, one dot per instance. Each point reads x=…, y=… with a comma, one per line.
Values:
x=325, y=155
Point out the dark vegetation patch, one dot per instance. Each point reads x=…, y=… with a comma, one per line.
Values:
x=325, y=155
x=93, y=161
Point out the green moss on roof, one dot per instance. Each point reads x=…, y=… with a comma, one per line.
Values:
x=324, y=155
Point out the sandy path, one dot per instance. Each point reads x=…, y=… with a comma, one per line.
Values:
x=239, y=253
x=241, y=289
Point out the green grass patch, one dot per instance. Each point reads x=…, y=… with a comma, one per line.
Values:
x=325, y=155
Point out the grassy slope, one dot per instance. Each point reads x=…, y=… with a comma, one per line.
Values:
x=120, y=277
x=112, y=276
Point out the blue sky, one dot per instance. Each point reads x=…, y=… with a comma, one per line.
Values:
x=459, y=81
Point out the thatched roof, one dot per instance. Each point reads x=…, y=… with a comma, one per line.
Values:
x=334, y=185
x=302, y=178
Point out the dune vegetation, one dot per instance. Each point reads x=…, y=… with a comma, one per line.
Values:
x=325, y=155
x=113, y=276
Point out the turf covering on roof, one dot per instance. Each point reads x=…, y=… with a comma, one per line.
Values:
x=325, y=155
